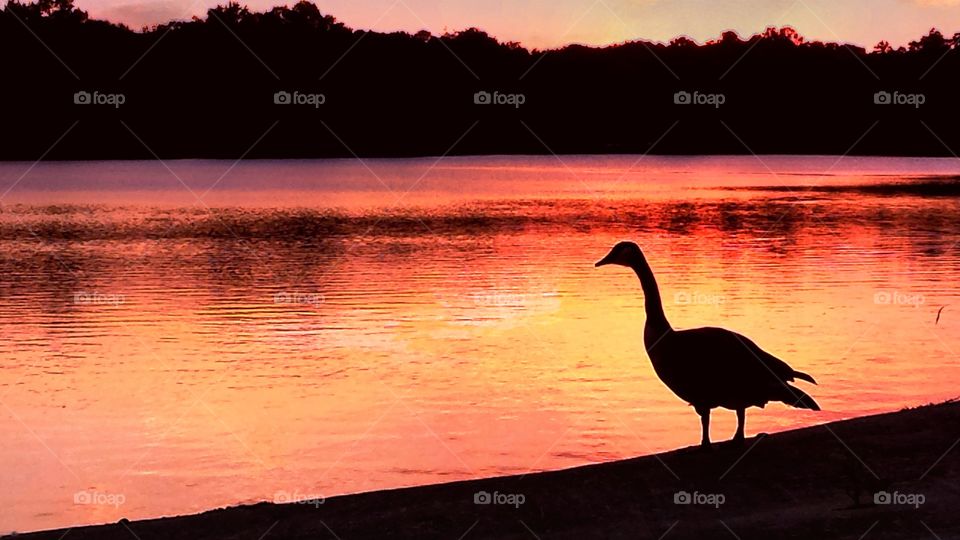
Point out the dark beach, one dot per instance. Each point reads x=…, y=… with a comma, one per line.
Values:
x=894, y=475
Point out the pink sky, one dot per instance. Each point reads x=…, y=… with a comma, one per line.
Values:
x=549, y=23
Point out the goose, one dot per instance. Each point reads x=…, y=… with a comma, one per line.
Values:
x=709, y=367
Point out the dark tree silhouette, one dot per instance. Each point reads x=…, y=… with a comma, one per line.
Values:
x=206, y=88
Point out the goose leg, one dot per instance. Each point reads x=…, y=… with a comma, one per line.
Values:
x=741, y=421
x=704, y=413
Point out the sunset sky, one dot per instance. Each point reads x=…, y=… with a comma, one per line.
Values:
x=549, y=23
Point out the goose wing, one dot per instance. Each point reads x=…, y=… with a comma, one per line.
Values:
x=716, y=366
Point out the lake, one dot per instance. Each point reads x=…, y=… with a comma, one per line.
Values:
x=191, y=334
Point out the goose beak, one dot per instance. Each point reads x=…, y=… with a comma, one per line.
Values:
x=603, y=262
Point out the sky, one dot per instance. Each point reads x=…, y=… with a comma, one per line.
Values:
x=552, y=23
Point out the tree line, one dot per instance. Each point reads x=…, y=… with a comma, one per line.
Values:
x=294, y=82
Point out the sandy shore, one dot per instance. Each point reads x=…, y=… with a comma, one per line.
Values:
x=797, y=484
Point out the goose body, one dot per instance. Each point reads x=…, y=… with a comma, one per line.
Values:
x=709, y=367
x=714, y=367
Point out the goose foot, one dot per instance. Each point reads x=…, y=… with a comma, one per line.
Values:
x=741, y=423
x=704, y=413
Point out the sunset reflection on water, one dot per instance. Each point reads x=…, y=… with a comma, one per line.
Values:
x=336, y=334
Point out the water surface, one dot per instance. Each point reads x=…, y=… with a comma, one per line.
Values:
x=194, y=334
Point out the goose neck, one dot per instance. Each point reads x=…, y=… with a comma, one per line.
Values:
x=651, y=295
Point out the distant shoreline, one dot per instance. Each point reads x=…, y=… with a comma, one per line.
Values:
x=902, y=467
x=944, y=155
x=851, y=155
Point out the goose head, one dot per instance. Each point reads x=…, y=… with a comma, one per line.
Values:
x=624, y=254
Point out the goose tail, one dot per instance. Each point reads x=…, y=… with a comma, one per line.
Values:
x=803, y=376
x=799, y=399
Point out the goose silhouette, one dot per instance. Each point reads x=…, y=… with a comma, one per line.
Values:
x=709, y=367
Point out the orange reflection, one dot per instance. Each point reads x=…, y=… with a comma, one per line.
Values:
x=188, y=360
